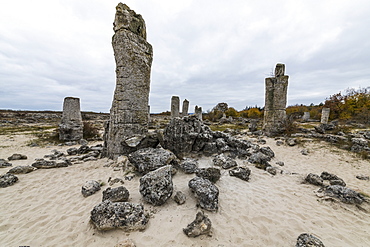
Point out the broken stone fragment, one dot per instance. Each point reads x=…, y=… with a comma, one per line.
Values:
x=314, y=179
x=179, y=197
x=21, y=169
x=7, y=180
x=272, y=170
x=109, y=215
x=200, y=226
x=206, y=193
x=188, y=165
x=240, y=172
x=308, y=240
x=213, y=174
x=4, y=163
x=90, y=188
x=119, y=194
x=224, y=162
x=156, y=186
x=17, y=157
x=46, y=164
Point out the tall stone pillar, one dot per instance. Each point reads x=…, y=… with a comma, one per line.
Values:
x=128, y=123
x=198, y=112
x=175, y=106
x=275, y=101
x=325, y=115
x=71, y=126
x=185, y=108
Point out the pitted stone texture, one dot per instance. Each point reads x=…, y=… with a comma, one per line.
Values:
x=240, y=172
x=109, y=215
x=175, y=106
x=21, y=169
x=200, y=226
x=7, y=180
x=129, y=114
x=308, y=240
x=275, y=102
x=71, y=126
x=179, y=197
x=213, y=174
x=156, y=186
x=119, y=194
x=314, y=179
x=90, y=188
x=224, y=162
x=150, y=159
x=206, y=193
x=344, y=194
x=188, y=165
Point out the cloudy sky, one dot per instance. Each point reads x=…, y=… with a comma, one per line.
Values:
x=207, y=51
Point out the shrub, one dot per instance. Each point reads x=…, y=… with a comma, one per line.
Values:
x=90, y=130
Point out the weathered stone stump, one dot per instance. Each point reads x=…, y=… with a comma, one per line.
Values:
x=325, y=115
x=71, y=126
x=198, y=112
x=185, y=108
x=306, y=116
x=275, y=101
x=129, y=112
x=175, y=106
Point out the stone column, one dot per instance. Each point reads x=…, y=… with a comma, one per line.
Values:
x=185, y=108
x=325, y=115
x=275, y=102
x=128, y=123
x=306, y=116
x=71, y=126
x=175, y=106
x=198, y=112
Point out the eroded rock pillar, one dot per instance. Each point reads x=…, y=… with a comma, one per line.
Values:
x=275, y=101
x=128, y=123
x=306, y=116
x=325, y=115
x=198, y=112
x=71, y=126
x=175, y=106
x=185, y=108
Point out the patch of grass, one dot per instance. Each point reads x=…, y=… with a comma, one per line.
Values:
x=45, y=138
x=22, y=129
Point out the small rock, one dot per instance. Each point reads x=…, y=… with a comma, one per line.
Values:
x=240, y=172
x=279, y=143
x=179, y=197
x=46, y=164
x=280, y=163
x=7, y=180
x=304, y=151
x=4, y=163
x=90, y=188
x=21, y=169
x=308, y=240
x=362, y=177
x=259, y=159
x=314, y=179
x=333, y=179
x=213, y=174
x=206, y=193
x=188, y=165
x=291, y=142
x=268, y=152
x=200, y=226
x=128, y=216
x=344, y=194
x=83, y=142
x=72, y=151
x=119, y=194
x=224, y=162
x=115, y=180
x=271, y=170
x=17, y=157
x=337, y=182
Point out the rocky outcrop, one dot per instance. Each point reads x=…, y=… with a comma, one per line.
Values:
x=213, y=174
x=119, y=194
x=206, y=193
x=48, y=164
x=240, y=172
x=308, y=240
x=224, y=162
x=21, y=169
x=90, y=188
x=156, y=186
x=127, y=129
x=200, y=226
x=150, y=159
x=17, y=157
x=7, y=180
x=4, y=163
x=127, y=216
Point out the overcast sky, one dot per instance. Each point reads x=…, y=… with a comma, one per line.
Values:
x=206, y=51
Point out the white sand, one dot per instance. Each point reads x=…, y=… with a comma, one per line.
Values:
x=46, y=207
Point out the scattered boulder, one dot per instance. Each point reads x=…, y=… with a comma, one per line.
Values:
x=272, y=170
x=17, y=157
x=260, y=160
x=4, y=163
x=128, y=216
x=150, y=159
x=55, y=155
x=7, y=180
x=314, y=179
x=46, y=164
x=21, y=169
x=213, y=174
x=240, y=172
x=362, y=177
x=308, y=240
x=279, y=143
x=156, y=186
x=119, y=194
x=224, y=162
x=333, y=179
x=188, y=165
x=200, y=226
x=304, y=151
x=90, y=188
x=179, y=197
x=291, y=142
x=344, y=194
x=280, y=163
x=268, y=152
x=206, y=193
x=72, y=151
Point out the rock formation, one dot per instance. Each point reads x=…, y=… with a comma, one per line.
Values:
x=275, y=101
x=308, y=240
x=119, y=194
x=90, y=188
x=185, y=108
x=175, y=106
x=71, y=126
x=7, y=180
x=325, y=115
x=206, y=193
x=240, y=172
x=200, y=226
x=128, y=123
x=198, y=112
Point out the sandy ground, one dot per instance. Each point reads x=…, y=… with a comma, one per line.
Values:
x=46, y=207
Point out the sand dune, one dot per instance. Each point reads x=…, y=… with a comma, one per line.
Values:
x=46, y=207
